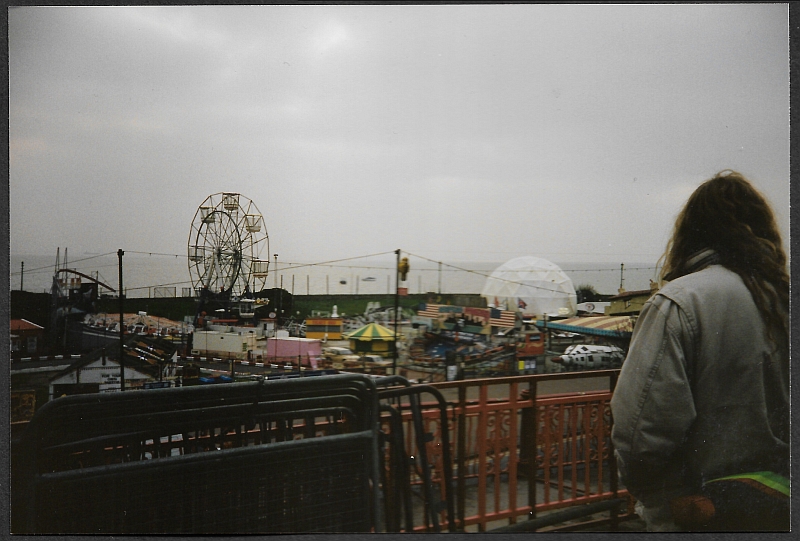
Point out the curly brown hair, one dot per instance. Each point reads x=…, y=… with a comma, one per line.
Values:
x=728, y=215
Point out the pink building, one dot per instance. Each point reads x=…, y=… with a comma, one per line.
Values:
x=290, y=350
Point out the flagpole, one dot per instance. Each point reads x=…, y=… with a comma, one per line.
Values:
x=120, y=253
x=396, y=307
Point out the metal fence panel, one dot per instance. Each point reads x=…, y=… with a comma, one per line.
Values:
x=287, y=456
x=164, y=292
x=312, y=485
x=522, y=455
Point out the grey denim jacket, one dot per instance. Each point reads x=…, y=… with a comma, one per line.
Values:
x=702, y=393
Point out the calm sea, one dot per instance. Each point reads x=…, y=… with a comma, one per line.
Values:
x=156, y=275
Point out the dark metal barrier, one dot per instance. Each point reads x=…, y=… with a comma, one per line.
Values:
x=295, y=455
x=436, y=502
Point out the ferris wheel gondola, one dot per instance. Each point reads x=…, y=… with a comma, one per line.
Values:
x=226, y=240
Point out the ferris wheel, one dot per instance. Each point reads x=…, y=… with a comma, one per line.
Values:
x=227, y=238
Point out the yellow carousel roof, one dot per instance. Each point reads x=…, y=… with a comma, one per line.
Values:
x=372, y=331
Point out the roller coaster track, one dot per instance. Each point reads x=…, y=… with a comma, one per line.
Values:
x=86, y=276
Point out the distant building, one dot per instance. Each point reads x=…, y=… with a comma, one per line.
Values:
x=97, y=375
x=324, y=328
x=628, y=302
x=27, y=339
x=27, y=375
x=146, y=360
x=593, y=307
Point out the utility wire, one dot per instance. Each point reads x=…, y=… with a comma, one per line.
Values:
x=296, y=266
x=154, y=253
x=485, y=275
x=185, y=282
x=608, y=270
x=50, y=267
x=516, y=282
x=327, y=263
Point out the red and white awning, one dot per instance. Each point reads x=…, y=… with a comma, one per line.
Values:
x=613, y=326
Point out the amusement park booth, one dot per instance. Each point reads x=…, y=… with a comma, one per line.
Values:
x=324, y=328
x=372, y=338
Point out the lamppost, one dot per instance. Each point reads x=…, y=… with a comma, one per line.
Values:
x=275, y=289
x=396, y=307
x=120, y=253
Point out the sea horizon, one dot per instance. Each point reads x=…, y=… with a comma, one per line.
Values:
x=151, y=274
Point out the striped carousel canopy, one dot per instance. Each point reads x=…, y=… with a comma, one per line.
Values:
x=611, y=326
x=372, y=331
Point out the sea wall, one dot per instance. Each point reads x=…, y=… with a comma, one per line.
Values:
x=35, y=307
x=357, y=304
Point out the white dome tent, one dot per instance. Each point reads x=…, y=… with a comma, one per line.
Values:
x=533, y=286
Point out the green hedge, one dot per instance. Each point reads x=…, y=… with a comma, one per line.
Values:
x=177, y=307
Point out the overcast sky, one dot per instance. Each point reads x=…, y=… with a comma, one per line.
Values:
x=459, y=133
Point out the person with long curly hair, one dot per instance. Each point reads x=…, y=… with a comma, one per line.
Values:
x=701, y=408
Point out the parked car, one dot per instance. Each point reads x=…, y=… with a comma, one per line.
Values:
x=339, y=356
x=374, y=364
x=377, y=359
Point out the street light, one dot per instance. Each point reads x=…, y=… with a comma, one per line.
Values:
x=396, y=307
x=120, y=253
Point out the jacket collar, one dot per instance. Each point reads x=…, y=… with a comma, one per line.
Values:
x=701, y=260
x=696, y=262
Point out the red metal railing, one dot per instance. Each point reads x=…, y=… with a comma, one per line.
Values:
x=504, y=434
